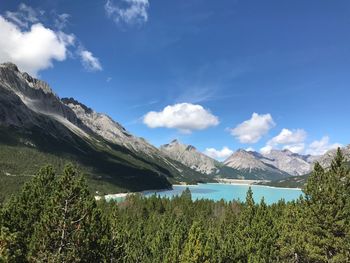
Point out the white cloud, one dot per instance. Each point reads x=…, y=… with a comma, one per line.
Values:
x=61, y=21
x=292, y=140
x=289, y=137
x=295, y=148
x=88, y=60
x=32, y=50
x=321, y=147
x=24, y=16
x=33, y=46
x=222, y=154
x=266, y=149
x=183, y=116
x=250, y=149
x=251, y=131
x=127, y=11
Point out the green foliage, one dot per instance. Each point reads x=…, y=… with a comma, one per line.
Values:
x=108, y=167
x=71, y=228
x=55, y=219
x=328, y=212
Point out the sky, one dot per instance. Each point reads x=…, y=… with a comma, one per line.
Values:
x=219, y=75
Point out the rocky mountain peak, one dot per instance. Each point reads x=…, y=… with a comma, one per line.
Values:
x=175, y=141
x=189, y=156
x=71, y=100
x=10, y=66
x=190, y=148
x=285, y=160
x=326, y=159
x=251, y=163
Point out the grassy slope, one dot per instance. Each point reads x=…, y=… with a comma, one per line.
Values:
x=289, y=182
x=109, y=168
x=231, y=173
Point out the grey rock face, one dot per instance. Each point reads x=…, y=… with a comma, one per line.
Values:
x=24, y=92
x=249, y=161
x=23, y=95
x=326, y=159
x=189, y=156
x=110, y=130
x=285, y=160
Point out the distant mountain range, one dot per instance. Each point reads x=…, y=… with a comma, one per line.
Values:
x=38, y=127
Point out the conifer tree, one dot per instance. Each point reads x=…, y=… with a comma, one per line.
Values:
x=193, y=250
x=71, y=227
x=20, y=215
x=328, y=212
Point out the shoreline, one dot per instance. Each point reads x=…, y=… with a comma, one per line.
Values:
x=220, y=181
x=240, y=181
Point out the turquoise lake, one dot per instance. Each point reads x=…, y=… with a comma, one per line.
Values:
x=229, y=192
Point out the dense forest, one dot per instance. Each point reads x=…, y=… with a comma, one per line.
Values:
x=55, y=219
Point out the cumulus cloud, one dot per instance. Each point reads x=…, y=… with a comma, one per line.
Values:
x=289, y=137
x=32, y=50
x=252, y=130
x=222, y=154
x=89, y=62
x=295, y=148
x=25, y=41
x=185, y=117
x=127, y=12
x=292, y=140
x=266, y=149
x=322, y=146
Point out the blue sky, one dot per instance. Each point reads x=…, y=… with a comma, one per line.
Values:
x=211, y=63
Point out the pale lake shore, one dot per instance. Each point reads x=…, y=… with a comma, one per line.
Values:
x=240, y=181
x=219, y=181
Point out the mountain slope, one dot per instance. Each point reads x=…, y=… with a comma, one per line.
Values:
x=326, y=159
x=299, y=181
x=189, y=156
x=32, y=116
x=249, y=163
x=287, y=161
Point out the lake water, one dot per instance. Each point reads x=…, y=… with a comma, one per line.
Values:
x=229, y=192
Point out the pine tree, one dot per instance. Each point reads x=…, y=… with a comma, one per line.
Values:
x=71, y=227
x=243, y=235
x=23, y=211
x=194, y=247
x=292, y=229
x=328, y=212
x=9, y=248
x=186, y=194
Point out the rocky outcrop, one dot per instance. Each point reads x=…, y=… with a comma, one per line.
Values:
x=250, y=162
x=189, y=156
x=287, y=161
x=326, y=159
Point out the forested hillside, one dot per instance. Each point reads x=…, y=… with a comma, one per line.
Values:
x=55, y=219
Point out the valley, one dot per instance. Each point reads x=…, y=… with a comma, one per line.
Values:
x=38, y=128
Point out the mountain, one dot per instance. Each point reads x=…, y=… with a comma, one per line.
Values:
x=299, y=181
x=287, y=161
x=35, y=122
x=326, y=159
x=249, y=162
x=189, y=156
